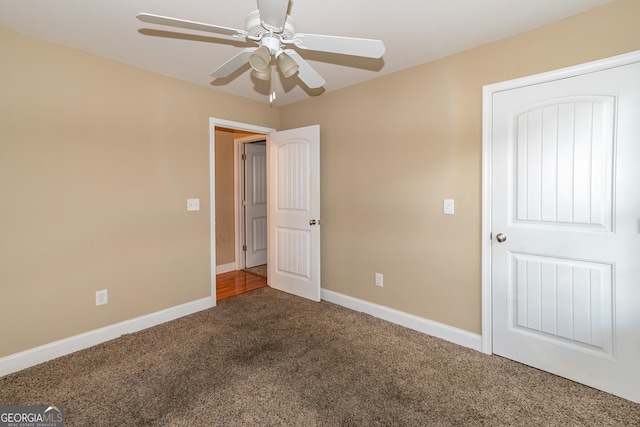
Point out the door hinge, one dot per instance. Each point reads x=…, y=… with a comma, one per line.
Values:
x=244, y=157
x=244, y=248
x=244, y=203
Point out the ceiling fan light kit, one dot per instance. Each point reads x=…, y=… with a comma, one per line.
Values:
x=288, y=67
x=272, y=29
x=262, y=75
x=260, y=59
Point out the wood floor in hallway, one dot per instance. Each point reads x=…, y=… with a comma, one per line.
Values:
x=237, y=282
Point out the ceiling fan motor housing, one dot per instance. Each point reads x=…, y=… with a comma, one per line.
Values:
x=273, y=43
x=253, y=26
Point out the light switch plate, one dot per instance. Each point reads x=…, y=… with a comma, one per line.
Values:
x=449, y=208
x=193, y=204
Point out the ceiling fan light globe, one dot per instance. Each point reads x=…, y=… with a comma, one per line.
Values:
x=262, y=75
x=260, y=59
x=288, y=67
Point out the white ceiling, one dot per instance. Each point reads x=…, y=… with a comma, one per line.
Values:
x=414, y=32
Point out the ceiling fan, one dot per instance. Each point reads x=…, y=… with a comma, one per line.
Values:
x=273, y=30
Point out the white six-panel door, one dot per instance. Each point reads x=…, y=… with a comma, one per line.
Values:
x=294, y=211
x=566, y=196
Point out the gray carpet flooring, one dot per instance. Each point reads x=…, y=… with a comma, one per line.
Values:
x=268, y=358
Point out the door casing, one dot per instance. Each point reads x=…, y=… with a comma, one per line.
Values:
x=487, y=131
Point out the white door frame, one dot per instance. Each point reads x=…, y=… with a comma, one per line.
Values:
x=238, y=183
x=213, y=123
x=487, y=132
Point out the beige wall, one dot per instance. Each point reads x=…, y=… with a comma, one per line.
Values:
x=393, y=148
x=225, y=226
x=97, y=160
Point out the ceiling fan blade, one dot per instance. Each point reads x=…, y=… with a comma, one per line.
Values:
x=306, y=73
x=232, y=65
x=190, y=25
x=273, y=14
x=367, y=48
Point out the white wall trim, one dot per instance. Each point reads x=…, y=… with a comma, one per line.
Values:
x=487, y=132
x=237, y=212
x=225, y=268
x=238, y=184
x=420, y=324
x=24, y=359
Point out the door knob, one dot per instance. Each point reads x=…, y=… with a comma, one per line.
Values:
x=312, y=222
x=501, y=237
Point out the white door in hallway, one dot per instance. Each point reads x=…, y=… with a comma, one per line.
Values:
x=255, y=203
x=294, y=211
x=565, y=217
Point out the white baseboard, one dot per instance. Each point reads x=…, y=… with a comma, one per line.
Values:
x=225, y=268
x=34, y=356
x=439, y=330
x=18, y=361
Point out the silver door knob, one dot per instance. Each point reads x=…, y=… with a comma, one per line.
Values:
x=312, y=222
x=501, y=237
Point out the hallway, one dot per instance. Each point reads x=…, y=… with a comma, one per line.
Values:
x=237, y=282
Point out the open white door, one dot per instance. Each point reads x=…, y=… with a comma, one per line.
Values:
x=294, y=211
x=566, y=227
x=255, y=203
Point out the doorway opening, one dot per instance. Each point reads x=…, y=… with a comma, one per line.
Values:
x=223, y=195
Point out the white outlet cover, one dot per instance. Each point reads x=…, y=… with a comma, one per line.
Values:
x=193, y=204
x=449, y=206
x=101, y=297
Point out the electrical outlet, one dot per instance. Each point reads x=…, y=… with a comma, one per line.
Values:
x=193, y=204
x=379, y=279
x=449, y=208
x=101, y=297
